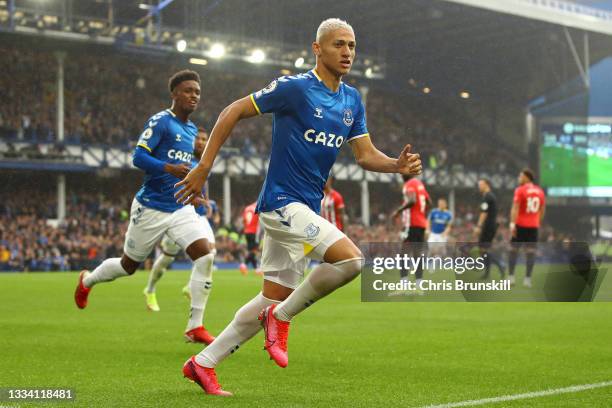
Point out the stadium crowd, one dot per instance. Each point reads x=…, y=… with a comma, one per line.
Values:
x=105, y=106
x=31, y=239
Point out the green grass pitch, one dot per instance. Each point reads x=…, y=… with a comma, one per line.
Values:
x=568, y=168
x=600, y=171
x=560, y=167
x=343, y=353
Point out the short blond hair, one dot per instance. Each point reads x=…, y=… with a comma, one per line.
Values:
x=332, y=24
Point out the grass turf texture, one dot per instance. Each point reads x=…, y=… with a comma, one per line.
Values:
x=342, y=352
x=560, y=167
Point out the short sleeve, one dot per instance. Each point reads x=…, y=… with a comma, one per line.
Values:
x=339, y=201
x=359, y=127
x=484, y=206
x=276, y=96
x=517, y=196
x=152, y=133
x=410, y=189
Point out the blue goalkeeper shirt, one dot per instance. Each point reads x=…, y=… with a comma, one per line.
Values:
x=170, y=140
x=310, y=125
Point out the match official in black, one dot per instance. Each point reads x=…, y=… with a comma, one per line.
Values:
x=487, y=227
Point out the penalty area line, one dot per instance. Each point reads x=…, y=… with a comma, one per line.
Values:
x=535, y=394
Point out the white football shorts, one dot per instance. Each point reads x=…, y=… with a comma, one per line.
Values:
x=433, y=237
x=292, y=235
x=147, y=226
x=171, y=248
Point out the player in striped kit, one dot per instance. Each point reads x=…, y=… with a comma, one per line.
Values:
x=332, y=205
x=414, y=219
x=250, y=220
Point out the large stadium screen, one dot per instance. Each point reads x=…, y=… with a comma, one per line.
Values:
x=576, y=158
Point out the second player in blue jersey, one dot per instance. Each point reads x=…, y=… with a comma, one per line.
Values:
x=164, y=152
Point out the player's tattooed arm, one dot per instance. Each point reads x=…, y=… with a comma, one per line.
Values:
x=192, y=184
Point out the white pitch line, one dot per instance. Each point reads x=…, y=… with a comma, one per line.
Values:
x=573, y=388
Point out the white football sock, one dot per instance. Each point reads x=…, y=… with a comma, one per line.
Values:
x=244, y=326
x=323, y=280
x=107, y=271
x=160, y=265
x=200, y=285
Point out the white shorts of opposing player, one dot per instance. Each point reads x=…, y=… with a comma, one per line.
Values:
x=293, y=235
x=147, y=226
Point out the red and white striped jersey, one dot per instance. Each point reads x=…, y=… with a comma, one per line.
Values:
x=331, y=205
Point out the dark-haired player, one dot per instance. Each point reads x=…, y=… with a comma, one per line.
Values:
x=414, y=220
x=170, y=250
x=164, y=151
x=486, y=227
x=528, y=208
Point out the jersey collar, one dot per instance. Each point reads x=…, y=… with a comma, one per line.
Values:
x=177, y=119
x=315, y=73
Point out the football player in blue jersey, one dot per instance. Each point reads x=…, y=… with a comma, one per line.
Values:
x=439, y=222
x=164, y=152
x=314, y=114
x=170, y=249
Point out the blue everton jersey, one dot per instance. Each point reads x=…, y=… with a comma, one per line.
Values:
x=310, y=125
x=439, y=220
x=170, y=140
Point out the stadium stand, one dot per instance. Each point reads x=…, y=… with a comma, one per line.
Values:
x=108, y=107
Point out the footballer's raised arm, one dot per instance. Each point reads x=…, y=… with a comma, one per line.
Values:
x=192, y=184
